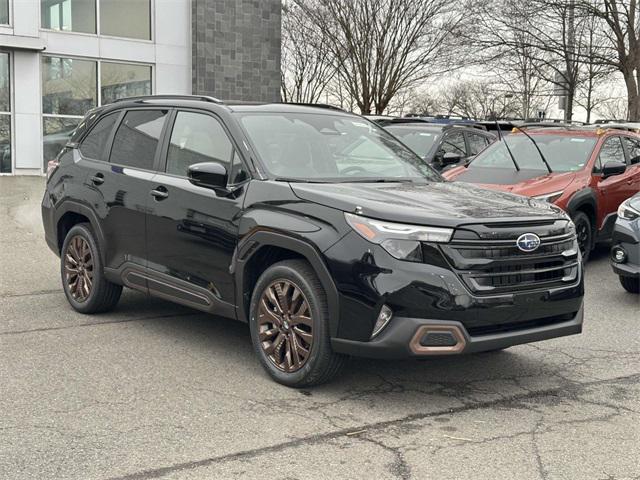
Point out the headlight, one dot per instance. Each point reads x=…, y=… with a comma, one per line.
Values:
x=402, y=241
x=549, y=197
x=626, y=211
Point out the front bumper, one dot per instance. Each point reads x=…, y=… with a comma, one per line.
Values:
x=401, y=339
x=626, y=235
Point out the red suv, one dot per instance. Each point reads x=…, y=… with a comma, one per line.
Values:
x=587, y=171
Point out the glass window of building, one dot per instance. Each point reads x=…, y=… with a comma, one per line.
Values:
x=69, y=15
x=126, y=18
x=69, y=90
x=5, y=114
x=4, y=12
x=68, y=86
x=119, y=80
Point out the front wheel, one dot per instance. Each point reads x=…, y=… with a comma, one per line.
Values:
x=584, y=234
x=630, y=284
x=289, y=326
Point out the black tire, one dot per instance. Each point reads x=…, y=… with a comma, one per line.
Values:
x=630, y=284
x=584, y=232
x=322, y=363
x=103, y=295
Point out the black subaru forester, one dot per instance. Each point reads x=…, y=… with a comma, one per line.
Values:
x=317, y=227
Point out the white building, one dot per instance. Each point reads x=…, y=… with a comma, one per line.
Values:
x=59, y=58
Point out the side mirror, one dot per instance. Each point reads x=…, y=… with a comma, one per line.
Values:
x=208, y=175
x=613, y=168
x=451, y=158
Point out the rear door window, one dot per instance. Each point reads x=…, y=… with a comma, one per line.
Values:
x=633, y=149
x=136, y=140
x=94, y=143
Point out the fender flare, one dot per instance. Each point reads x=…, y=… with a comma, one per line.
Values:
x=251, y=244
x=585, y=196
x=70, y=206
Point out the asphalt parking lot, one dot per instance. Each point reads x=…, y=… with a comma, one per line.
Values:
x=154, y=390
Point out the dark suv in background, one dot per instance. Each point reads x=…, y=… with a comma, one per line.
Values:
x=443, y=146
x=315, y=226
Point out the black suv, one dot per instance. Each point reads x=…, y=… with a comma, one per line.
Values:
x=315, y=226
x=443, y=146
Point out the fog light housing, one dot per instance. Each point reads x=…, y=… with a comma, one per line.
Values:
x=383, y=319
x=619, y=255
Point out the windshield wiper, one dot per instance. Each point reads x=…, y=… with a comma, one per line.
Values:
x=377, y=180
x=296, y=180
x=544, y=160
x=501, y=139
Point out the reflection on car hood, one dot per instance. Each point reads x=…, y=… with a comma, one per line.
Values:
x=524, y=182
x=441, y=203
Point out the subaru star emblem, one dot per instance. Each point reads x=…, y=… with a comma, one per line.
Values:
x=528, y=242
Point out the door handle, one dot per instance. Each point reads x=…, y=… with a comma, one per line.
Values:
x=160, y=193
x=97, y=179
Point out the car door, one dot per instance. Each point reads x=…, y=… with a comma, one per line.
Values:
x=192, y=230
x=615, y=189
x=632, y=146
x=126, y=143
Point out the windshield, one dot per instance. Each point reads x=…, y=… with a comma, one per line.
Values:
x=330, y=148
x=564, y=153
x=419, y=140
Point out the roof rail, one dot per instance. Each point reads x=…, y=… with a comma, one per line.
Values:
x=317, y=105
x=617, y=126
x=141, y=98
x=386, y=121
x=546, y=125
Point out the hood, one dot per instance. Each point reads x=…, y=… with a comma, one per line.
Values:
x=523, y=182
x=442, y=203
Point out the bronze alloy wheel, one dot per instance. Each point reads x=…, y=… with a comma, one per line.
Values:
x=78, y=268
x=285, y=325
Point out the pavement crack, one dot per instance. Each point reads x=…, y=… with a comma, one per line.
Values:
x=571, y=389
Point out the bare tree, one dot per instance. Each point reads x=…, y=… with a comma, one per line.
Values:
x=306, y=66
x=623, y=34
x=382, y=47
x=506, y=46
x=594, y=71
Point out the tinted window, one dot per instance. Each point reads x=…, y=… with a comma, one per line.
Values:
x=611, y=151
x=633, y=148
x=197, y=138
x=137, y=137
x=477, y=143
x=94, y=143
x=454, y=143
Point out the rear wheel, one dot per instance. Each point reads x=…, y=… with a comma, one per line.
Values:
x=83, y=280
x=584, y=234
x=290, y=326
x=630, y=284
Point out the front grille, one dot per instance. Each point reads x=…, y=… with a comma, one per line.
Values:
x=496, y=265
